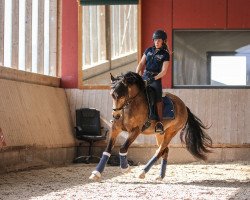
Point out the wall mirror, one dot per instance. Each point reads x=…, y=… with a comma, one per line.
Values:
x=211, y=58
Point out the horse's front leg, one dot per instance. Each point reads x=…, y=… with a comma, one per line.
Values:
x=96, y=174
x=124, y=149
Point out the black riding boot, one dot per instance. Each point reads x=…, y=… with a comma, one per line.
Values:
x=159, y=126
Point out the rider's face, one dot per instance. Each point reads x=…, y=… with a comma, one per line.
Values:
x=158, y=43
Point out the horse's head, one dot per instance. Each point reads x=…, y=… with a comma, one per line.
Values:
x=119, y=93
x=124, y=88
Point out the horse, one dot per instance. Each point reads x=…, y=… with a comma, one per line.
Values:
x=130, y=113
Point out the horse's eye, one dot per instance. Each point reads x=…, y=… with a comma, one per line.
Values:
x=122, y=97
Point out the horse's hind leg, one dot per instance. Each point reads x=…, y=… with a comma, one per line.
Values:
x=163, y=165
x=162, y=151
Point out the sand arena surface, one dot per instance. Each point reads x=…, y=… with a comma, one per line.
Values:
x=189, y=181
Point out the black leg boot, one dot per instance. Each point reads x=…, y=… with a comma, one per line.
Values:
x=159, y=126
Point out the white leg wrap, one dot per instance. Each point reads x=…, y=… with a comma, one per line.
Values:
x=106, y=153
x=96, y=173
x=123, y=154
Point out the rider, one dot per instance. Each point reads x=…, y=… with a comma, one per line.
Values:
x=156, y=59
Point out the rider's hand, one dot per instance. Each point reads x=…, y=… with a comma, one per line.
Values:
x=150, y=80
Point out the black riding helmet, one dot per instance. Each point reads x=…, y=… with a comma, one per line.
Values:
x=159, y=34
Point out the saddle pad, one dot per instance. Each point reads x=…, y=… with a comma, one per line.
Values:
x=168, y=108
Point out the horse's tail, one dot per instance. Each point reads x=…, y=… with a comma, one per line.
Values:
x=197, y=141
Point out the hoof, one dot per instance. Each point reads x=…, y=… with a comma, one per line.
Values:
x=95, y=176
x=159, y=178
x=126, y=170
x=142, y=175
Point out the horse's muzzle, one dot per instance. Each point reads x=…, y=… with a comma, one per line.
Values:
x=117, y=116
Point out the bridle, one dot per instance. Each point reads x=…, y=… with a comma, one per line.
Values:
x=127, y=102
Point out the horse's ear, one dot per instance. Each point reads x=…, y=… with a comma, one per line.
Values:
x=112, y=77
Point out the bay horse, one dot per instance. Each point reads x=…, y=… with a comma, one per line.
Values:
x=130, y=113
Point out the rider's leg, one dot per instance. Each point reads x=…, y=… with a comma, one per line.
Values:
x=158, y=97
x=159, y=126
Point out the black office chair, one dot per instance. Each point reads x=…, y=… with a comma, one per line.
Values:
x=88, y=128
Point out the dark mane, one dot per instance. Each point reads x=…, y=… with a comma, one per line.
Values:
x=134, y=78
x=119, y=85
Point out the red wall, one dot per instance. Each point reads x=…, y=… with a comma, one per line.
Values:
x=69, y=68
x=157, y=14
x=238, y=14
x=202, y=14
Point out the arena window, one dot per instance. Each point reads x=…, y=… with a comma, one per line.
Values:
x=28, y=36
x=109, y=38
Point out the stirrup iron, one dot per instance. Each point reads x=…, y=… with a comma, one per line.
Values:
x=159, y=128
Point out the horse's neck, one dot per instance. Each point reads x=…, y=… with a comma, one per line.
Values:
x=137, y=112
x=134, y=91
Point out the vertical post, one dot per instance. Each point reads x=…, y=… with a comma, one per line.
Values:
x=40, y=38
x=127, y=26
x=52, y=37
x=59, y=38
x=2, y=32
x=138, y=24
x=28, y=35
x=15, y=34
x=81, y=59
x=108, y=34
x=115, y=33
x=69, y=50
x=101, y=33
x=121, y=28
x=85, y=33
x=93, y=33
x=131, y=29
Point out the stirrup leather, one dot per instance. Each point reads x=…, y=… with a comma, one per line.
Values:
x=146, y=125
